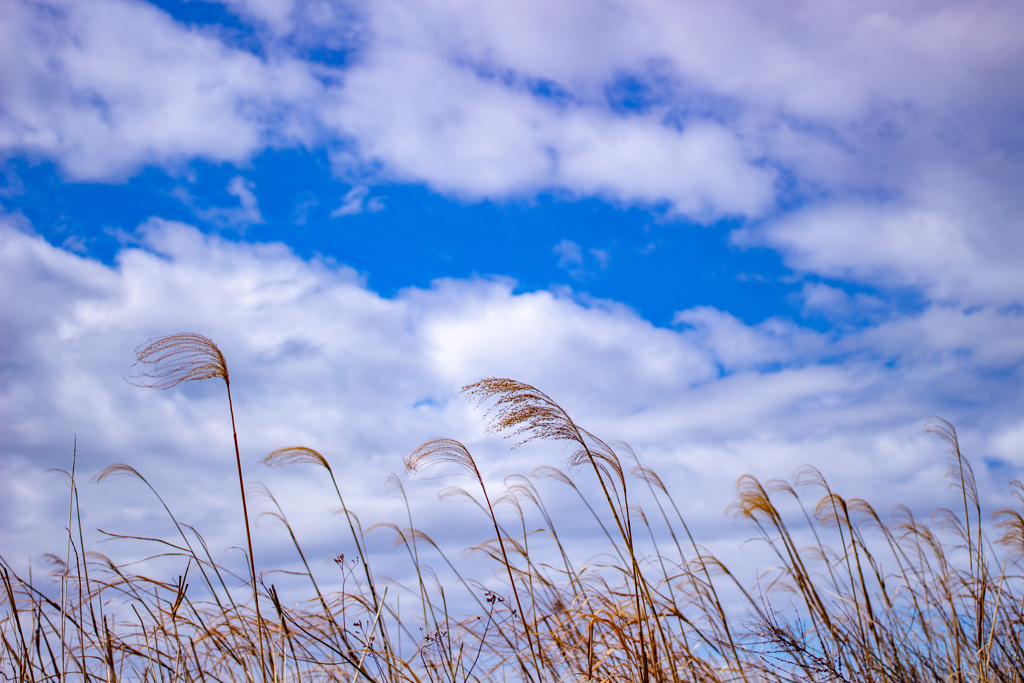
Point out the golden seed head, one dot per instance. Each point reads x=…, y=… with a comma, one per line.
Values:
x=168, y=361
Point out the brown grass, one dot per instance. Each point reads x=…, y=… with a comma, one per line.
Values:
x=873, y=597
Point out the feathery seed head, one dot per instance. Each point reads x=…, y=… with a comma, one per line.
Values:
x=529, y=413
x=295, y=455
x=959, y=470
x=646, y=474
x=752, y=500
x=438, y=452
x=186, y=357
x=117, y=470
x=549, y=472
x=523, y=409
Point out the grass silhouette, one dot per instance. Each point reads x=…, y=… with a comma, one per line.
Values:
x=867, y=599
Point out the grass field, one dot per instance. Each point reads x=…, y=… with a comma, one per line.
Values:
x=870, y=597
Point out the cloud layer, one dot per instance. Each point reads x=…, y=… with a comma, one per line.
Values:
x=319, y=360
x=876, y=146
x=871, y=142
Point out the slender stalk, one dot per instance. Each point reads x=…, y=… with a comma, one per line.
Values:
x=67, y=568
x=248, y=534
x=512, y=582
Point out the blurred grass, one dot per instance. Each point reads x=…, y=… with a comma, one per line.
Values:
x=869, y=599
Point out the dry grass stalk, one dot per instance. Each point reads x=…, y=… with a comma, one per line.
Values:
x=188, y=357
x=855, y=596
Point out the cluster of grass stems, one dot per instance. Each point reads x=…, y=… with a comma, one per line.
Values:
x=853, y=597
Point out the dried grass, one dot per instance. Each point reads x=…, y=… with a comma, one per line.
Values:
x=873, y=599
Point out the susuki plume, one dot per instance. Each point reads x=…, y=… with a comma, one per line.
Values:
x=902, y=603
x=439, y=452
x=524, y=409
x=186, y=357
x=529, y=413
x=295, y=455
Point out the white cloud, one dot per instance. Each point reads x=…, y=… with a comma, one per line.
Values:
x=245, y=214
x=107, y=86
x=317, y=359
x=355, y=202
x=431, y=120
x=834, y=303
x=441, y=91
x=243, y=189
x=702, y=171
x=277, y=14
x=830, y=61
x=892, y=125
x=863, y=87
x=962, y=255
x=570, y=257
x=737, y=346
x=1010, y=442
x=569, y=254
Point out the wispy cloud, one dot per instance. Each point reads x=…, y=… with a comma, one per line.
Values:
x=569, y=254
x=245, y=214
x=834, y=303
x=357, y=201
x=571, y=258
x=602, y=256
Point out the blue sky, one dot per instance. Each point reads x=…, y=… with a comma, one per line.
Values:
x=740, y=236
x=406, y=235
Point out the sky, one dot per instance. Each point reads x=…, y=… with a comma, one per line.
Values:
x=740, y=236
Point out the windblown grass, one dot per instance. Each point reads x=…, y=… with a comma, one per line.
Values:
x=873, y=597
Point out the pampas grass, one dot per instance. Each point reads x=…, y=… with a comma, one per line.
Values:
x=854, y=595
x=188, y=357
